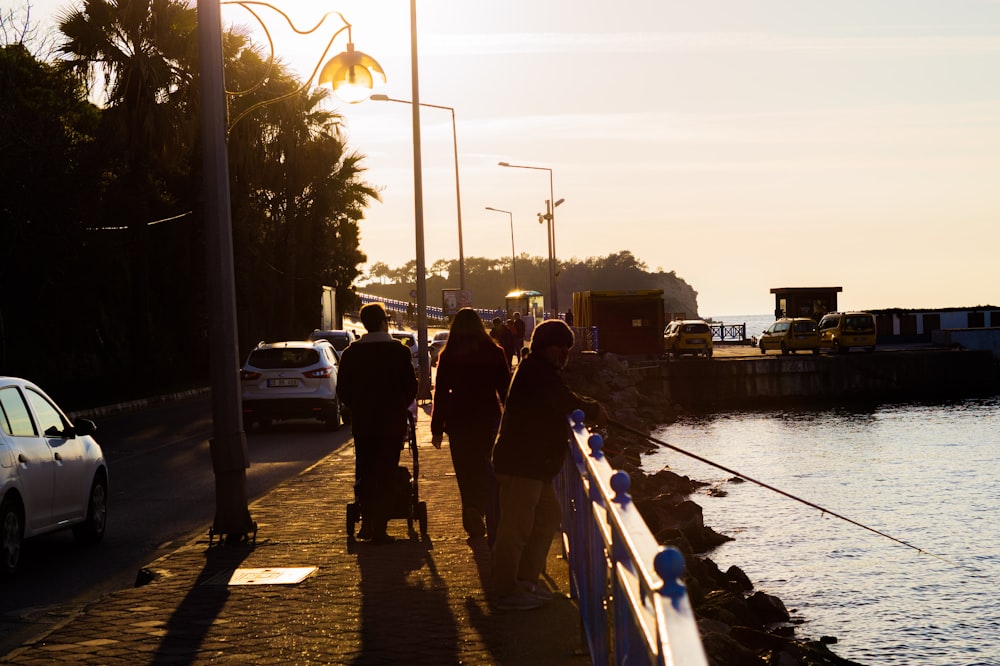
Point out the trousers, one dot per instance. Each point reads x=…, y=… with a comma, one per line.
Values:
x=530, y=516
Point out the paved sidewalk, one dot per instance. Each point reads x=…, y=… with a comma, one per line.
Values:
x=414, y=602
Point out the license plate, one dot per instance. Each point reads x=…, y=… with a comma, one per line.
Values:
x=273, y=383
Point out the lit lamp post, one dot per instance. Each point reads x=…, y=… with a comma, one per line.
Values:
x=424, y=388
x=513, y=259
x=550, y=216
x=458, y=190
x=348, y=71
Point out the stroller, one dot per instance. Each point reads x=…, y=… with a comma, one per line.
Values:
x=406, y=498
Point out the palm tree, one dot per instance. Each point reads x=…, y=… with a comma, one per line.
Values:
x=139, y=54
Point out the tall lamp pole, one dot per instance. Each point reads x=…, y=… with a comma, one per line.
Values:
x=458, y=189
x=513, y=256
x=550, y=215
x=352, y=75
x=228, y=445
x=424, y=387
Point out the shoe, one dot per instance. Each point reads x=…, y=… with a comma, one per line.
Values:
x=383, y=538
x=535, y=590
x=473, y=522
x=364, y=533
x=520, y=600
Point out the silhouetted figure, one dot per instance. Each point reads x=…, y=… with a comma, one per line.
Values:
x=569, y=317
x=503, y=337
x=377, y=383
x=471, y=385
x=530, y=449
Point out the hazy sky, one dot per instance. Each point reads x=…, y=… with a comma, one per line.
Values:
x=744, y=144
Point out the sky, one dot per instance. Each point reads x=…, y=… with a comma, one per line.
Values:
x=743, y=144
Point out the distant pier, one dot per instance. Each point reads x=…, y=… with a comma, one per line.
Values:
x=739, y=376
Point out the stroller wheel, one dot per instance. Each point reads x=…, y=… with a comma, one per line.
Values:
x=422, y=517
x=353, y=515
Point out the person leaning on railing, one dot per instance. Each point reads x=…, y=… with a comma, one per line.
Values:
x=529, y=452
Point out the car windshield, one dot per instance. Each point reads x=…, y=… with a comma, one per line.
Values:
x=696, y=328
x=283, y=357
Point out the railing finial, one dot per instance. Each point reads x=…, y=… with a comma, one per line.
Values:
x=596, y=443
x=620, y=483
x=669, y=565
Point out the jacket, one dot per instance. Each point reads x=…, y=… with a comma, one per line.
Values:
x=534, y=430
x=469, y=389
x=376, y=381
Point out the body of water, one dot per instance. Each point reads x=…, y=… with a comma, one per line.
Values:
x=755, y=323
x=923, y=474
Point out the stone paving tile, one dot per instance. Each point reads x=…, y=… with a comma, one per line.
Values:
x=417, y=601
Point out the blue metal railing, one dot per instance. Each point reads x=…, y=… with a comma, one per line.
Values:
x=633, y=606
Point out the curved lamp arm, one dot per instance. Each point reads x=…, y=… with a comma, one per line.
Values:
x=352, y=74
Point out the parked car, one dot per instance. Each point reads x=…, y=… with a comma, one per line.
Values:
x=409, y=339
x=437, y=344
x=291, y=380
x=52, y=472
x=840, y=331
x=790, y=335
x=687, y=336
x=340, y=339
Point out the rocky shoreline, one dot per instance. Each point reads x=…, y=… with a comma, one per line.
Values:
x=739, y=626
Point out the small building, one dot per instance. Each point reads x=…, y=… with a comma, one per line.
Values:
x=527, y=302
x=627, y=322
x=916, y=325
x=812, y=302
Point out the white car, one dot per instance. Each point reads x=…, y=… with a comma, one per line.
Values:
x=52, y=472
x=410, y=340
x=437, y=344
x=291, y=380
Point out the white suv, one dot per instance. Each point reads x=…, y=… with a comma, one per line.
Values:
x=291, y=380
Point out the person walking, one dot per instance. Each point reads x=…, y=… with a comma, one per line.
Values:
x=471, y=385
x=518, y=331
x=503, y=337
x=530, y=449
x=377, y=383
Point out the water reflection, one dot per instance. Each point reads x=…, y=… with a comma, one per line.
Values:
x=924, y=473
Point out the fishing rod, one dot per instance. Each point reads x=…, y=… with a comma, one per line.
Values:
x=660, y=442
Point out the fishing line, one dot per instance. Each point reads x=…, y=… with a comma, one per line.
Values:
x=824, y=510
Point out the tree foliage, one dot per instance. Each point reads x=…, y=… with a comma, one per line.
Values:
x=102, y=229
x=490, y=280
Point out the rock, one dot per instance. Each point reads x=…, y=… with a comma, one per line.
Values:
x=769, y=607
x=736, y=575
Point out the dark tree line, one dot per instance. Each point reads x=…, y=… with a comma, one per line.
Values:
x=101, y=233
x=490, y=280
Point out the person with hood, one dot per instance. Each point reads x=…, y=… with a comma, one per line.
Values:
x=530, y=449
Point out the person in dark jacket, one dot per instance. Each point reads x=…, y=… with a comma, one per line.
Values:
x=470, y=387
x=377, y=383
x=503, y=337
x=529, y=452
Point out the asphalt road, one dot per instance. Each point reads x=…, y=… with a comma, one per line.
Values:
x=162, y=494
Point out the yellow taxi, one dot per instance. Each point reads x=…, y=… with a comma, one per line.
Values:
x=687, y=336
x=790, y=335
x=839, y=331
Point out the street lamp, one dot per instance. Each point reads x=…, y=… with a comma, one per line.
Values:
x=228, y=444
x=458, y=191
x=351, y=74
x=513, y=260
x=550, y=216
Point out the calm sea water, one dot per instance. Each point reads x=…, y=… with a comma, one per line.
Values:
x=923, y=474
